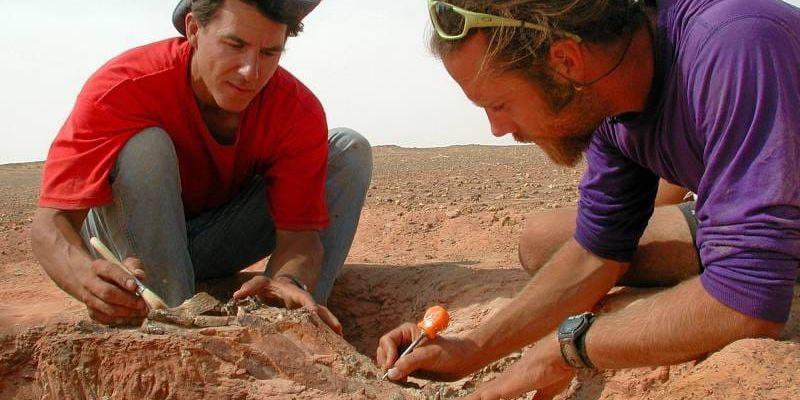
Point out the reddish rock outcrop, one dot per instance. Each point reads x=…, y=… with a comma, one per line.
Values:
x=265, y=353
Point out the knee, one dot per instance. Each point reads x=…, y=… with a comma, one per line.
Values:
x=148, y=158
x=351, y=151
x=542, y=234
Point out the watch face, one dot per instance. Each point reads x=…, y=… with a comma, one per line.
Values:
x=571, y=324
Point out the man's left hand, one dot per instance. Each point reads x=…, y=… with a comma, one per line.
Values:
x=287, y=294
x=541, y=368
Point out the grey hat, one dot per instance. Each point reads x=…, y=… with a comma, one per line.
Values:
x=299, y=8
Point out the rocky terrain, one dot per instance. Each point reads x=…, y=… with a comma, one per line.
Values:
x=440, y=226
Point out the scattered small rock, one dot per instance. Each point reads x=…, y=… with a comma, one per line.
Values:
x=452, y=213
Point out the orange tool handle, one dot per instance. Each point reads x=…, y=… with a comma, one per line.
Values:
x=435, y=320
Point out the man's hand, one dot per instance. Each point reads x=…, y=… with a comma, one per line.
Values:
x=299, y=254
x=445, y=358
x=541, y=368
x=285, y=293
x=110, y=293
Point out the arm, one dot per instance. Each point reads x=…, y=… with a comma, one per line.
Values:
x=574, y=280
x=107, y=291
x=616, y=203
x=59, y=248
x=677, y=325
x=298, y=254
x=673, y=326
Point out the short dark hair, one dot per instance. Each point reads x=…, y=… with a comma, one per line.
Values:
x=205, y=10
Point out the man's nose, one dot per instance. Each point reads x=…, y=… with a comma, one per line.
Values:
x=249, y=66
x=501, y=123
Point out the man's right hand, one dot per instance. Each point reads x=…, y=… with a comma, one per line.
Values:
x=110, y=293
x=444, y=359
x=288, y=295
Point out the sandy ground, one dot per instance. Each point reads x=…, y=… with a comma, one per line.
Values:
x=440, y=226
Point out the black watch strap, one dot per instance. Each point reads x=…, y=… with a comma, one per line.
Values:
x=572, y=340
x=580, y=343
x=571, y=356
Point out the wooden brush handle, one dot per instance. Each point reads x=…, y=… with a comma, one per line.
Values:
x=108, y=255
x=150, y=298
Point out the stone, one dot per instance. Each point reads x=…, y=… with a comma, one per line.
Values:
x=452, y=213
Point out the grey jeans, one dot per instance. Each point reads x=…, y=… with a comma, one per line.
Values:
x=146, y=217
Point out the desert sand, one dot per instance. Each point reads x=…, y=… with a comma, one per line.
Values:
x=440, y=226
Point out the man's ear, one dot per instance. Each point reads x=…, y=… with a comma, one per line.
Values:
x=566, y=59
x=192, y=27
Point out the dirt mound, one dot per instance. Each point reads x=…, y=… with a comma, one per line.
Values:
x=264, y=353
x=440, y=226
x=739, y=371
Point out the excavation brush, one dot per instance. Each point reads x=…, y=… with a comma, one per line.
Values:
x=151, y=299
x=435, y=320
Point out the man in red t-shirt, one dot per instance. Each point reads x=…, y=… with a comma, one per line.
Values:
x=193, y=158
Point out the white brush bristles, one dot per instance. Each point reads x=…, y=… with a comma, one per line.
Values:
x=152, y=299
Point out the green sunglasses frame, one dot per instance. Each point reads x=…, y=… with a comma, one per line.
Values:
x=479, y=20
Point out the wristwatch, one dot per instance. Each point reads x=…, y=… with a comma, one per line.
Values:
x=297, y=282
x=571, y=336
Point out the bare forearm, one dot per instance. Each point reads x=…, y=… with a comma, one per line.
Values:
x=677, y=325
x=298, y=254
x=59, y=249
x=304, y=268
x=573, y=281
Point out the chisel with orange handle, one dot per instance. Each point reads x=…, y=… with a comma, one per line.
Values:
x=436, y=319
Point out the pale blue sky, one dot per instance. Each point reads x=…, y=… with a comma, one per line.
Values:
x=366, y=61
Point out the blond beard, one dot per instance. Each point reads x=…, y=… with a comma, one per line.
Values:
x=566, y=151
x=567, y=148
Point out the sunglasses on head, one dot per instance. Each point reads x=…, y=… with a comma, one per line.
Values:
x=289, y=9
x=453, y=23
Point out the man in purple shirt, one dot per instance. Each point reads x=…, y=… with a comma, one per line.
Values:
x=703, y=93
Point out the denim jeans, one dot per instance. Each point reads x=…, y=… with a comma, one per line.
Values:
x=146, y=217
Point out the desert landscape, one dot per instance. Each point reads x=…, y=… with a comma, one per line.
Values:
x=440, y=226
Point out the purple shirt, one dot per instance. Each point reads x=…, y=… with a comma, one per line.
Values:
x=723, y=120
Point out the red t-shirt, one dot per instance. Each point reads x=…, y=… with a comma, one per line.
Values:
x=283, y=137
